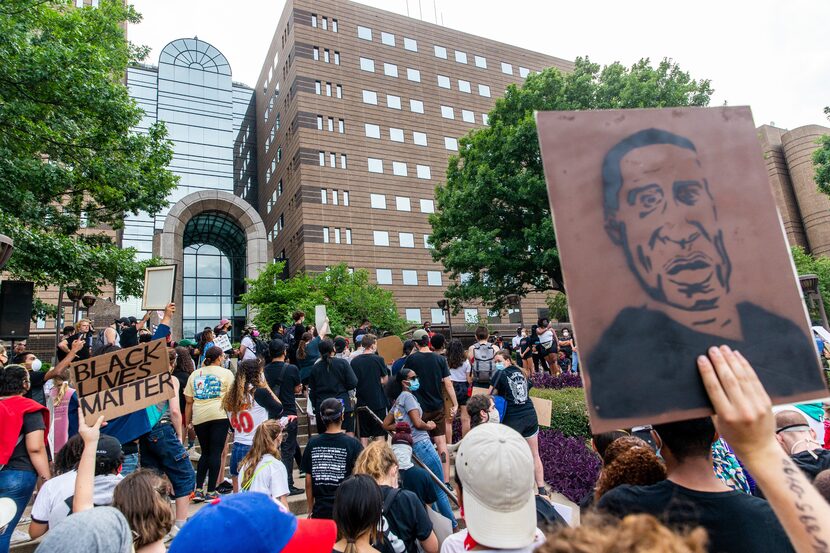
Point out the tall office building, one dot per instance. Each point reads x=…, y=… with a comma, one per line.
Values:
x=358, y=111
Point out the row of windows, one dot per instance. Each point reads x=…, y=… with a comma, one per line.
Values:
x=399, y=168
x=337, y=235
x=318, y=89
x=278, y=227
x=395, y=135
x=402, y=203
x=440, y=51
x=333, y=159
x=413, y=315
x=341, y=124
x=463, y=86
x=448, y=112
x=417, y=106
x=409, y=276
x=390, y=70
x=324, y=196
x=272, y=201
x=326, y=55
x=405, y=239
x=323, y=22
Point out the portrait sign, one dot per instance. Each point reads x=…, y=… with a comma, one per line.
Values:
x=670, y=243
x=159, y=283
x=119, y=383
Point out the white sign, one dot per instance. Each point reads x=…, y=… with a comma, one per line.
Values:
x=223, y=342
x=159, y=283
x=319, y=316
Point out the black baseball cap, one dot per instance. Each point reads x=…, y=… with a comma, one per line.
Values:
x=276, y=348
x=108, y=449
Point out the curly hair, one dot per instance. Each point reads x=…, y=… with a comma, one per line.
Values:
x=456, y=355
x=621, y=444
x=68, y=457
x=633, y=534
x=637, y=466
x=248, y=378
x=376, y=460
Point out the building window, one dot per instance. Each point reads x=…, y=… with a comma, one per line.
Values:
x=410, y=44
x=324, y=197
x=326, y=56
x=343, y=161
x=387, y=39
x=427, y=206
x=468, y=116
x=364, y=32
x=393, y=102
x=406, y=239
x=377, y=201
x=319, y=122
x=416, y=106
x=447, y=112
x=316, y=53
x=413, y=75
x=443, y=82
x=332, y=158
x=410, y=277
x=317, y=87
x=314, y=20
x=481, y=62
x=370, y=97
x=423, y=171
x=337, y=236
x=437, y=316
x=334, y=25
x=413, y=315
x=348, y=236
x=375, y=165
x=336, y=57
x=420, y=138
x=328, y=89
x=331, y=124
x=341, y=126
x=390, y=70
x=471, y=316
x=460, y=57
x=484, y=90
x=345, y=198
x=325, y=23
x=450, y=143
x=524, y=72
x=381, y=237
x=367, y=64
x=433, y=278
x=372, y=131
x=464, y=86
x=399, y=168
x=322, y=159
x=383, y=276
x=396, y=135
x=334, y=197
x=339, y=91
x=402, y=203
x=279, y=188
x=506, y=68
x=427, y=245
x=440, y=52
x=325, y=235
x=485, y=119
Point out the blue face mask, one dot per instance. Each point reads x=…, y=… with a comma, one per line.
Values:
x=414, y=385
x=499, y=366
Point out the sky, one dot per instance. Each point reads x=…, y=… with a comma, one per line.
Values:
x=771, y=55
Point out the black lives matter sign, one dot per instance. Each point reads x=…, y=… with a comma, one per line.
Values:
x=122, y=382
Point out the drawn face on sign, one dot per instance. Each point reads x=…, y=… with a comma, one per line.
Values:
x=659, y=209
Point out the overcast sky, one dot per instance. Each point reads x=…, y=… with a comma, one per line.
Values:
x=770, y=54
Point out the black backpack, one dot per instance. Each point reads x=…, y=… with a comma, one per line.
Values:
x=260, y=347
x=387, y=541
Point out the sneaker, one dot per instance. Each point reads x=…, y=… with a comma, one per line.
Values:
x=224, y=487
x=302, y=474
x=210, y=496
x=292, y=490
x=194, y=455
x=198, y=496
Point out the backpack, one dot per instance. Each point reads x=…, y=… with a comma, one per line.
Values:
x=260, y=347
x=97, y=343
x=483, y=365
x=387, y=541
x=289, y=338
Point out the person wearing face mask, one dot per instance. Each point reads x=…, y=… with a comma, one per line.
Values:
x=482, y=410
x=568, y=347
x=406, y=408
x=247, y=348
x=37, y=378
x=511, y=383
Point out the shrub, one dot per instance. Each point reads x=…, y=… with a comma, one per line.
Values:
x=548, y=381
x=570, y=467
x=569, y=413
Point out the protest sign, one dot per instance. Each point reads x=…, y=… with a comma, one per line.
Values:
x=319, y=316
x=222, y=341
x=544, y=410
x=159, y=283
x=670, y=243
x=390, y=348
x=118, y=383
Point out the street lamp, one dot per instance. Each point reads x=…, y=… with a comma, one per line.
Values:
x=809, y=285
x=514, y=301
x=445, y=306
x=6, y=247
x=75, y=294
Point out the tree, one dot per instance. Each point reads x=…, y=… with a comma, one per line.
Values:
x=349, y=298
x=558, y=307
x=806, y=264
x=821, y=160
x=493, y=226
x=70, y=162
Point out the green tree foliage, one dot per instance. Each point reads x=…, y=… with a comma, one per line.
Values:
x=493, y=222
x=68, y=156
x=821, y=160
x=349, y=298
x=558, y=305
x=806, y=264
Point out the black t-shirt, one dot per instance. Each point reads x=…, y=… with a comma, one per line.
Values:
x=182, y=377
x=84, y=352
x=369, y=368
x=329, y=459
x=525, y=344
x=332, y=379
x=32, y=422
x=129, y=336
x=407, y=517
x=286, y=377
x=736, y=521
x=265, y=398
x=511, y=384
x=297, y=332
x=416, y=480
x=811, y=465
x=36, y=381
x=431, y=369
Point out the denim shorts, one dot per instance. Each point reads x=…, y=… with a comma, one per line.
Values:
x=162, y=451
x=238, y=453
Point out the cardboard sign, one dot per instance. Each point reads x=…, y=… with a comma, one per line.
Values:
x=122, y=382
x=670, y=243
x=544, y=410
x=319, y=316
x=223, y=342
x=390, y=348
x=159, y=284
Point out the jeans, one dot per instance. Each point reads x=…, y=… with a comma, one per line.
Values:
x=288, y=447
x=238, y=452
x=575, y=362
x=17, y=485
x=212, y=437
x=162, y=451
x=130, y=464
x=426, y=453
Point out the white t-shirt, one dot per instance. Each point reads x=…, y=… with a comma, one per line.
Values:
x=455, y=544
x=245, y=423
x=546, y=339
x=459, y=374
x=515, y=342
x=54, y=500
x=250, y=348
x=270, y=477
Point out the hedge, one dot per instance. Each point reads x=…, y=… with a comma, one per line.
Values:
x=571, y=468
x=569, y=413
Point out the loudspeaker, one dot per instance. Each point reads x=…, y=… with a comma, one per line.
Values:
x=15, y=309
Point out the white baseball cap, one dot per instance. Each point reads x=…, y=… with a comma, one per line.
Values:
x=8, y=508
x=495, y=466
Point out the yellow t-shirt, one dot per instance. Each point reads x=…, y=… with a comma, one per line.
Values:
x=208, y=386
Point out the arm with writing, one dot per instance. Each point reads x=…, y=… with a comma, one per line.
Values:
x=745, y=420
x=84, y=481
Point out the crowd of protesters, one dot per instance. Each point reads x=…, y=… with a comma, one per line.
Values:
x=378, y=475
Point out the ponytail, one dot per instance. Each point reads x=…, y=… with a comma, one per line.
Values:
x=304, y=340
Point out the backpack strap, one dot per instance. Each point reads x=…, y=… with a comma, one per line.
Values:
x=390, y=499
